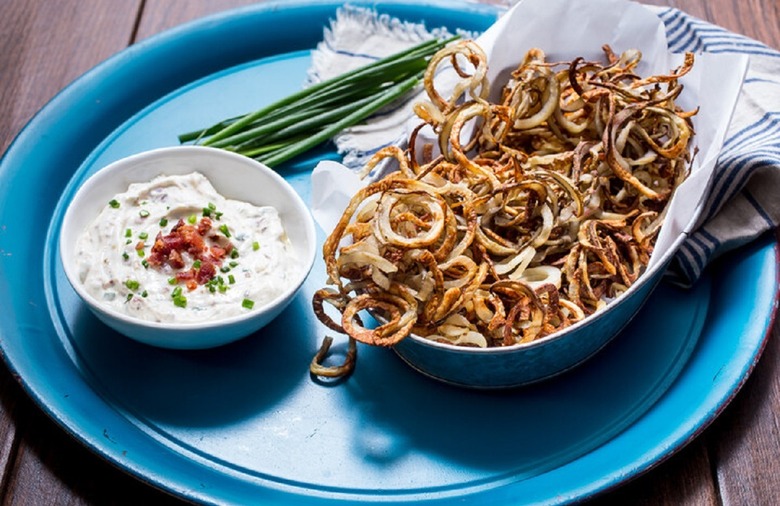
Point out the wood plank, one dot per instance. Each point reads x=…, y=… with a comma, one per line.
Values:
x=10, y=396
x=47, y=44
x=161, y=15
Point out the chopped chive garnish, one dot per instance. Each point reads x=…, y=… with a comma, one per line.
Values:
x=163, y=222
x=176, y=292
x=129, y=296
x=212, y=206
x=180, y=301
x=143, y=235
x=248, y=303
x=128, y=233
x=125, y=255
x=140, y=253
x=192, y=219
x=172, y=281
x=222, y=288
x=233, y=263
x=224, y=229
x=234, y=253
x=231, y=279
x=196, y=264
x=218, y=215
x=132, y=284
x=143, y=213
x=128, y=241
x=255, y=246
x=144, y=294
x=224, y=268
x=206, y=212
x=145, y=263
x=114, y=203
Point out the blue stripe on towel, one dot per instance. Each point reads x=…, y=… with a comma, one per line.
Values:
x=767, y=52
x=732, y=178
x=685, y=33
x=760, y=210
x=704, y=248
x=768, y=122
x=684, y=263
x=711, y=238
x=761, y=80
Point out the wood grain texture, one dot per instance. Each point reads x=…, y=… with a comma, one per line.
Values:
x=160, y=15
x=45, y=44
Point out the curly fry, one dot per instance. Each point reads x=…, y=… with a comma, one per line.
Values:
x=344, y=369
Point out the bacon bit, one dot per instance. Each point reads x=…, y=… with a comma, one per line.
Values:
x=218, y=253
x=140, y=245
x=157, y=251
x=207, y=271
x=175, y=260
x=185, y=276
x=192, y=239
x=168, y=249
x=204, y=226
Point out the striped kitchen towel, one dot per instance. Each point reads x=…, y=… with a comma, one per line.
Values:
x=744, y=198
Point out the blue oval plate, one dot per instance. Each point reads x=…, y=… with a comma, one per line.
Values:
x=245, y=422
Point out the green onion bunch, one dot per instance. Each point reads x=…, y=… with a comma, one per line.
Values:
x=290, y=126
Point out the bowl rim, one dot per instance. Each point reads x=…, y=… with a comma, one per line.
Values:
x=301, y=212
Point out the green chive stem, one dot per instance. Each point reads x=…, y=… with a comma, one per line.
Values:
x=300, y=121
x=352, y=119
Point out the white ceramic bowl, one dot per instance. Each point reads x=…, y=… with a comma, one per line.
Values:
x=232, y=175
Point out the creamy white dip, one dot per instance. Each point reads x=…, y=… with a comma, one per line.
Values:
x=114, y=253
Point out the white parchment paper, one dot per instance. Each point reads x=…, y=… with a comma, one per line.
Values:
x=564, y=30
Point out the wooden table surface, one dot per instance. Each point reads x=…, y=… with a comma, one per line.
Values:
x=46, y=44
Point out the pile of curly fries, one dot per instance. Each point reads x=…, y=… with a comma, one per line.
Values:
x=546, y=213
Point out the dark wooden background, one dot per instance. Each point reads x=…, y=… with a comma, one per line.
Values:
x=45, y=44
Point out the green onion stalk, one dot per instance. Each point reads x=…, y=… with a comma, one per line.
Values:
x=303, y=120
